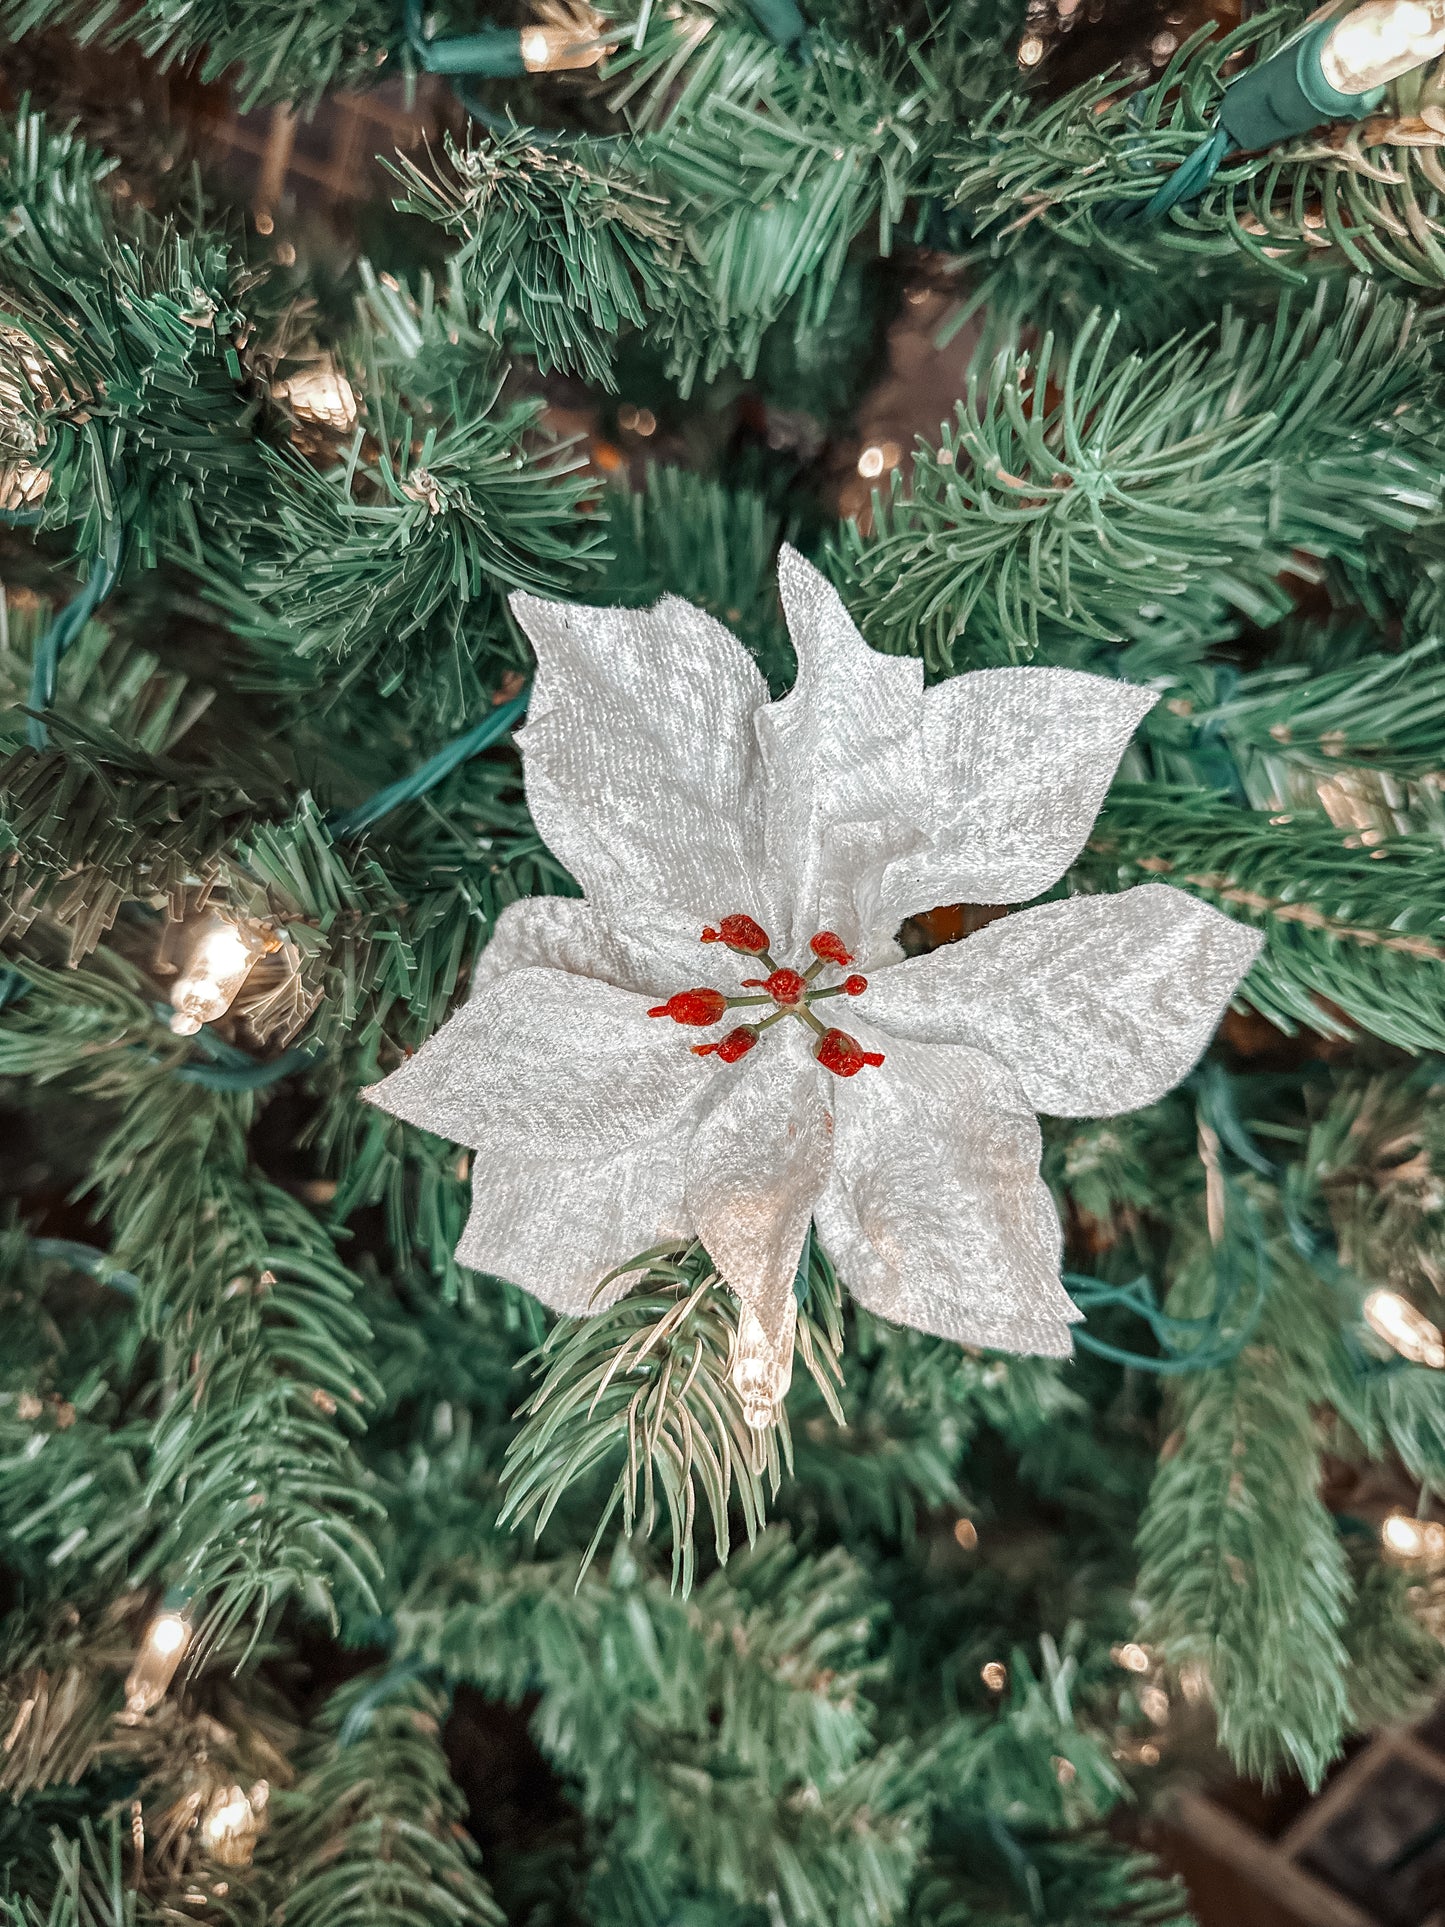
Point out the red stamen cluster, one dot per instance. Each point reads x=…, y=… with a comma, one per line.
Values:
x=790, y=992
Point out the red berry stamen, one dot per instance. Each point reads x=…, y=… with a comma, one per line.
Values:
x=736, y=1044
x=855, y=985
x=739, y=933
x=830, y=947
x=692, y=1007
x=786, y=987
x=836, y=1051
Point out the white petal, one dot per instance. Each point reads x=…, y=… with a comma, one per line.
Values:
x=557, y=1229
x=547, y=1065
x=936, y=1216
x=1100, y=1004
x=755, y=1167
x=1018, y=763
x=568, y=933
x=844, y=756
x=641, y=759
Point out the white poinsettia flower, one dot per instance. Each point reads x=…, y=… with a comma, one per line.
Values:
x=745, y=865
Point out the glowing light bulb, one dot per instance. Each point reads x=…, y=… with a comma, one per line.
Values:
x=761, y=1370
x=556, y=50
x=221, y=959
x=1403, y=1535
x=1407, y=1331
x=321, y=395
x=232, y=1822
x=161, y=1652
x=1155, y=1703
x=1381, y=40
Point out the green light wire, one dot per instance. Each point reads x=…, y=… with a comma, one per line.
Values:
x=231, y=1069
x=1220, y=1334
x=495, y=53
x=492, y=728
x=66, y=627
x=399, y=1673
x=85, y=1258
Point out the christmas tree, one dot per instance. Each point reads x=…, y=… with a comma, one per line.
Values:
x=368, y=1559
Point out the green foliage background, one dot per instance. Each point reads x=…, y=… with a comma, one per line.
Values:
x=508, y=1616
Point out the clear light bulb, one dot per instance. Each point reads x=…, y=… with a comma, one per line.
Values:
x=232, y=1822
x=1132, y=1657
x=1380, y=41
x=555, y=50
x=221, y=959
x=321, y=395
x=161, y=1652
x=1404, y=1329
x=1403, y=1535
x=761, y=1370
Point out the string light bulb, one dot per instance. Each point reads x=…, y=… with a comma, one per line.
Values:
x=1403, y=1535
x=557, y=50
x=567, y=39
x=232, y=1821
x=1404, y=1329
x=161, y=1651
x=1154, y=1702
x=1380, y=41
x=222, y=955
x=1411, y=1538
x=1333, y=69
x=761, y=1370
x=321, y=395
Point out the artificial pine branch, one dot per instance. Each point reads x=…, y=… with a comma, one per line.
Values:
x=1354, y=197
x=371, y=1834
x=1072, y=489
x=1240, y=1564
x=649, y=1380
x=1351, y=915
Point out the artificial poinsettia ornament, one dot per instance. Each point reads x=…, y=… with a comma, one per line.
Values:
x=889, y=1100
